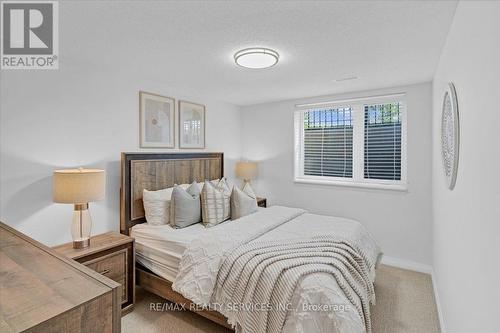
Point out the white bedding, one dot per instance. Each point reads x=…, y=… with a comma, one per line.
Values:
x=204, y=255
x=160, y=247
x=319, y=288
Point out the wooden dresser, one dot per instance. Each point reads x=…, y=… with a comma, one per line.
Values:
x=112, y=255
x=43, y=291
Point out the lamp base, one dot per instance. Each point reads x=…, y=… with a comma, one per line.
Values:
x=81, y=244
x=81, y=226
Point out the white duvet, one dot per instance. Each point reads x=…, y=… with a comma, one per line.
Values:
x=328, y=308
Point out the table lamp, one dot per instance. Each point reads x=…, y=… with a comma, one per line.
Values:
x=79, y=187
x=246, y=170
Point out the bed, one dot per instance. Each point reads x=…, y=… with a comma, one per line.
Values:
x=192, y=266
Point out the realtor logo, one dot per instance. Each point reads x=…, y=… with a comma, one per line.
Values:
x=29, y=35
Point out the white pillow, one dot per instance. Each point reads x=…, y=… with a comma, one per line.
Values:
x=243, y=202
x=157, y=205
x=249, y=190
x=185, y=206
x=223, y=184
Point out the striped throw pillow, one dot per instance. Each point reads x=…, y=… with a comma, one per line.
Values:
x=215, y=203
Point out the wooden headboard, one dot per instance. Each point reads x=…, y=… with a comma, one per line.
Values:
x=156, y=171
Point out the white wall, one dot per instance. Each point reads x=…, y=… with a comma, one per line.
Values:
x=78, y=116
x=399, y=221
x=467, y=219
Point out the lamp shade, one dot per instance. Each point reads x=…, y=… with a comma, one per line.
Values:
x=246, y=170
x=78, y=186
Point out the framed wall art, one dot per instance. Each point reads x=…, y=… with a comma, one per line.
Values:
x=450, y=135
x=191, y=125
x=157, y=121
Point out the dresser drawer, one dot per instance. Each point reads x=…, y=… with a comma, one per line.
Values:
x=113, y=266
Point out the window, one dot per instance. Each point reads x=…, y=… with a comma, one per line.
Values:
x=356, y=142
x=328, y=143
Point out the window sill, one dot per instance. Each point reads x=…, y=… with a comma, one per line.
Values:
x=376, y=186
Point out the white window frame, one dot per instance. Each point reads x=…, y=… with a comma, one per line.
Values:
x=357, y=180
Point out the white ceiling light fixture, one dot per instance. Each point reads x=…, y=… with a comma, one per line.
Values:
x=256, y=58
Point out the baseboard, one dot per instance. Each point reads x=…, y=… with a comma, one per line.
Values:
x=438, y=304
x=423, y=268
x=406, y=264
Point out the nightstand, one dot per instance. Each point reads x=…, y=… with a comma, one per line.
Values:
x=262, y=202
x=112, y=255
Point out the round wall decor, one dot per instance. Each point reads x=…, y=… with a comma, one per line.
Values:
x=450, y=135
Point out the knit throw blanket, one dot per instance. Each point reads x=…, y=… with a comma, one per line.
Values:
x=258, y=279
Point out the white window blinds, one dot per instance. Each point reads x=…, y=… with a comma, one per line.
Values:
x=361, y=143
x=382, y=146
x=328, y=142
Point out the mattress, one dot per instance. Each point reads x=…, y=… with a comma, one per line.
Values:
x=160, y=247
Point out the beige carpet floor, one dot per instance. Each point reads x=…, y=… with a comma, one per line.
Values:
x=405, y=304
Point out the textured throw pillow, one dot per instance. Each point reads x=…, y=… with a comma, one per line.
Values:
x=224, y=185
x=243, y=202
x=157, y=205
x=249, y=190
x=215, y=202
x=185, y=206
x=215, y=182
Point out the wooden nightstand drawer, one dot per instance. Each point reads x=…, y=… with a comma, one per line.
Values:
x=113, y=266
x=112, y=255
x=123, y=282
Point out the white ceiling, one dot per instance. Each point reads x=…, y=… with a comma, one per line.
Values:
x=190, y=45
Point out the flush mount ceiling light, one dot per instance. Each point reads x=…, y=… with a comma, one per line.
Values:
x=256, y=57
